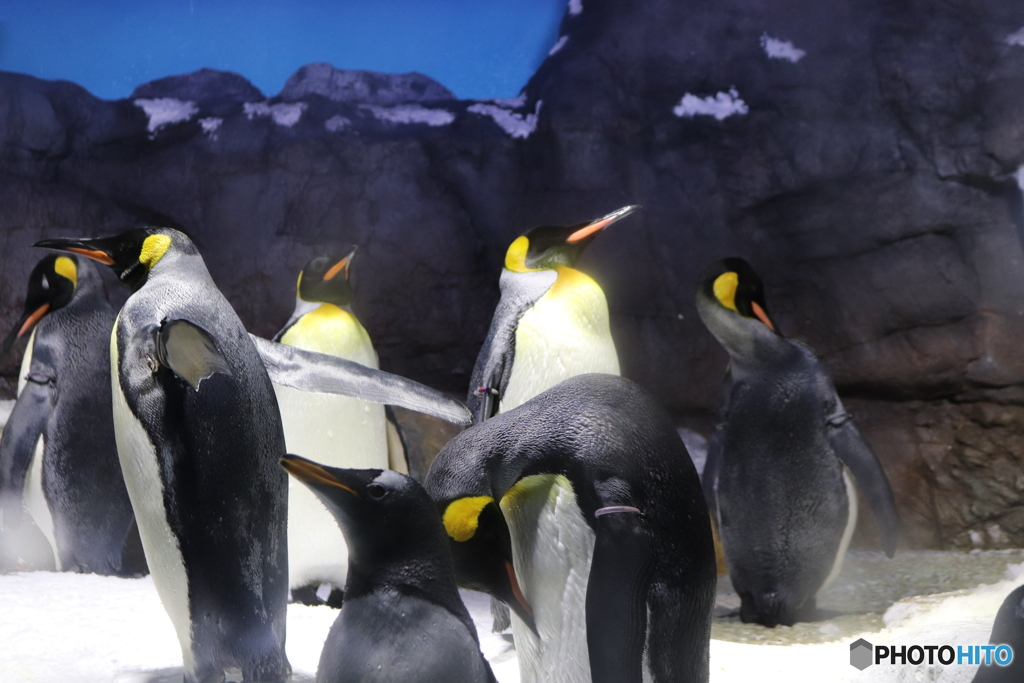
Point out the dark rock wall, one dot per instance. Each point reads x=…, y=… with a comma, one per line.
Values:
x=871, y=182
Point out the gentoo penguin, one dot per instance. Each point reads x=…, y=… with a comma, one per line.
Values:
x=1008, y=629
x=334, y=430
x=775, y=474
x=551, y=322
x=75, y=493
x=199, y=437
x=403, y=619
x=582, y=510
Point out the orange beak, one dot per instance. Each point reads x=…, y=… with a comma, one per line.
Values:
x=600, y=224
x=33, y=319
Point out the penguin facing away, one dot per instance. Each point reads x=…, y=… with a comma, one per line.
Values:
x=76, y=492
x=334, y=430
x=582, y=510
x=778, y=468
x=551, y=322
x=403, y=619
x=199, y=437
x=1008, y=629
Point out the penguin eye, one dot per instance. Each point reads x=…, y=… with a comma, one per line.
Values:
x=376, y=491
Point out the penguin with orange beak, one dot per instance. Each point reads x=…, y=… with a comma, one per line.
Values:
x=778, y=471
x=71, y=483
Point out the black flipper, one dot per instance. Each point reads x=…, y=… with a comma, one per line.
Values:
x=320, y=373
x=189, y=352
x=617, y=598
x=26, y=423
x=493, y=366
x=854, y=451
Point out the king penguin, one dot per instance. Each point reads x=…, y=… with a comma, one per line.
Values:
x=403, y=619
x=776, y=473
x=1008, y=629
x=551, y=321
x=582, y=511
x=71, y=482
x=199, y=438
x=334, y=430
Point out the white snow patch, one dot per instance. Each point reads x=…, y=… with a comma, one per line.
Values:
x=781, y=49
x=559, y=45
x=517, y=102
x=284, y=113
x=721, y=106
x=575, y=7
x=412, y=113
x=336, y=123
x=164, y=111
x=517, y=125
x=1016, y=38
x=210, y=125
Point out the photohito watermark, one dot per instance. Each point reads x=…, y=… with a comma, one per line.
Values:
x=863, y=654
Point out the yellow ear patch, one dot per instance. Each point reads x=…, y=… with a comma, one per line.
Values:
x=725, y=289
x=462, y=516
x=515, y=257
x=153, y=249
x=66, y=268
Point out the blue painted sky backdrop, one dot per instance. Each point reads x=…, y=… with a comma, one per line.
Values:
x=476, y=48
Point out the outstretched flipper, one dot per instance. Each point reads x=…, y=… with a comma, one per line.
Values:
x=494, y=364
x=189, y=351
x=320, y=373
x=617, y=596
x=854, y=451
x=26, y=423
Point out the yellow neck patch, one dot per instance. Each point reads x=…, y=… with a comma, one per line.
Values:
x=153, y=249
x=725, y=289
x=463, y=516
x=66, y=268
x=515, y=257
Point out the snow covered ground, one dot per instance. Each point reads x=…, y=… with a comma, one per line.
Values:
x=70, y=628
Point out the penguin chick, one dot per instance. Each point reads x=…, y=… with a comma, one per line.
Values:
x=551, y=322
x=582, y=510
x=403, y=619
x=334, y=430
x=776, y=475
x=76, y=494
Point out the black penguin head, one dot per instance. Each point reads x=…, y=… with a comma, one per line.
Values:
x=550, y=246
x=51, y=286
x=383, y=514
x=732, y=284
x=325, y=280
x=482, y=548
x=131, y=255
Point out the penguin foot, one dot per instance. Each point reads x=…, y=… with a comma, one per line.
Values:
x=316, y=594
x=306, y=595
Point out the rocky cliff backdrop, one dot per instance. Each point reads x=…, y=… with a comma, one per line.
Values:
x=863, y=155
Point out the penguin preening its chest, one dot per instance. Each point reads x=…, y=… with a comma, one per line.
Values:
x=582, y=510
x=75, y=493
x=335, y=430
x=776, y=467
x=403, y=619
x=551, y=322
x=199, y=438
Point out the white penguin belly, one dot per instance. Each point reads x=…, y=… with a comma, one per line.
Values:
x=851, y=524
x=563, y=335
x=141, y=471
x=552, y=547
x=34, y=496
x=339, y=432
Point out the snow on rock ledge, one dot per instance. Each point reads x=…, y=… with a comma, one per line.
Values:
x=721, y=106
x=284, y=113
x=412, y=113
x=519, y=126
x=363, y=87
x=163, y=111
x=781, y=49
